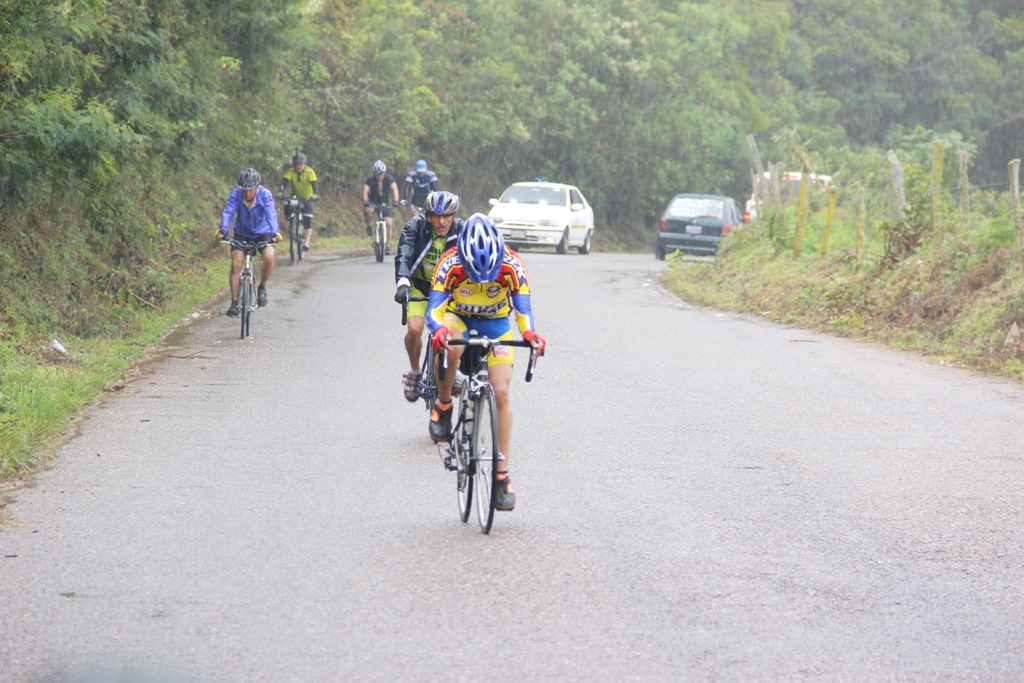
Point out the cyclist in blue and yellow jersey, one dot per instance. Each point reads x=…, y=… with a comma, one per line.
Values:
x=418, y=184
x=303, y=180
x=479, y=285
x=422, y=242
x=250, y=207
x=380, y=188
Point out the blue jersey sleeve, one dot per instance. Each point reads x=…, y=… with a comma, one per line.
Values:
x=436, y=302
x=230, y=209
x=524, y=308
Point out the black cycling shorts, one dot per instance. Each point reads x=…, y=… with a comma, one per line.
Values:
x=249, y=240
x=418, y=201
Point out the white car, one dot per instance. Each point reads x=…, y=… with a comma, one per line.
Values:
x=544, y=214
x=789, y=182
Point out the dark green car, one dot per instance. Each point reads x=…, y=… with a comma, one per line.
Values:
x=696, y=224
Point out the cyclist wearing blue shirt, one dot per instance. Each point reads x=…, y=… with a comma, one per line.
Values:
x=250, y=208
x=418, y=184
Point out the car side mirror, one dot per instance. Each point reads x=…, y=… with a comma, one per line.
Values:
x=492, y=201
x=575, y=207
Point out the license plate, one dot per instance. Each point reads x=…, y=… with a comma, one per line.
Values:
x=519, y=234
x=694, y=230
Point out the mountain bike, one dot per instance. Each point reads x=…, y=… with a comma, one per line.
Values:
x=380, y=231
x=473, y=451
x=293, y=208
x=246, y=283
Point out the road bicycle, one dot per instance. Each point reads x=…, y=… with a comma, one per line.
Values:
x=247, y=302
x=473, y=451
x=380, y=231
x=293, y=208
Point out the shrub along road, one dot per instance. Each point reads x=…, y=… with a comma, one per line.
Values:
x=701, y=495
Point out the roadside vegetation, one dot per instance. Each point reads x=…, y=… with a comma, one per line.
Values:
x=123, y=124
x=949, y=285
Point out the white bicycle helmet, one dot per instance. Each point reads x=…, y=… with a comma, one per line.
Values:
x=442, y=203
x=379, y=167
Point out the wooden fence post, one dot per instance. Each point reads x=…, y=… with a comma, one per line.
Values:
x=801, y=214
x=861, y=210
x=937, y=159
x=828, y=220
x=1018, y=218
x=965, y=197
x=896, y=170
x=774, y=172
x=757, y=192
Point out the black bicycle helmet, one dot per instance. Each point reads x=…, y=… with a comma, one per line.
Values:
x=249, y=179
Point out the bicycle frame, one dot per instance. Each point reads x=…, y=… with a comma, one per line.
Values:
x=246, y=281
x=380, y=232
x=295, y=227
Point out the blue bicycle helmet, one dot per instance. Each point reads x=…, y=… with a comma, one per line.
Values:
x=249, y=179
x=481, y=248
x=379, y=167
x=442, y=203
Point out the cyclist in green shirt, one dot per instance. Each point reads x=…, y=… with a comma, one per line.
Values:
x=303, y=180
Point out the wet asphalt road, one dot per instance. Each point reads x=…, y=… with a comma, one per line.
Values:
x=701, y=497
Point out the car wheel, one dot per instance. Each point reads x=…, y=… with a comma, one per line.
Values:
x=563, y=246
x=659, y=252
x=585, y=247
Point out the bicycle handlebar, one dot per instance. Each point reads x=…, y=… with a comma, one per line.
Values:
x=487, y=343
x=405, y=306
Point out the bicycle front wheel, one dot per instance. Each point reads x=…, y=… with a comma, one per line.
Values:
x=245, y=304
x=378, y=243
x=293, y=239
x=485, y=457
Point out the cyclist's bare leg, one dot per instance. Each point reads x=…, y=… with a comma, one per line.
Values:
x=370, y=216
x=500, y=378
x=236, y=272
x=388, y=222
x=268, y=264
x=307, y=222
x=414, y=341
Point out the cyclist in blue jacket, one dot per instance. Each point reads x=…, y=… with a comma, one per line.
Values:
x=418, y=184
x=250, y=207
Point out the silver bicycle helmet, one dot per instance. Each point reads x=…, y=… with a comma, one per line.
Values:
x=442, y=203
x=379, y=167
x=481, y=248
x=249, y=179
x=299, y=158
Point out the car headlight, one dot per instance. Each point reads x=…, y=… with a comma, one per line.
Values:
x=497, y=220
x=547, y=224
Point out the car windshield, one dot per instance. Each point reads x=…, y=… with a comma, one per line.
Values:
x=520, y=194
x=692, y=207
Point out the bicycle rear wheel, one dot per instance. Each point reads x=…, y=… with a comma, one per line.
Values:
x=485, y=457
x=246, y=302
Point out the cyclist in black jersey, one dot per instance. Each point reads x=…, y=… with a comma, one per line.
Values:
x=380, y=188
x=424, y=239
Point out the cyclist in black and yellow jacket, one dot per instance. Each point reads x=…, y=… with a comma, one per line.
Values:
x=303, y=180
x=424, y=239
